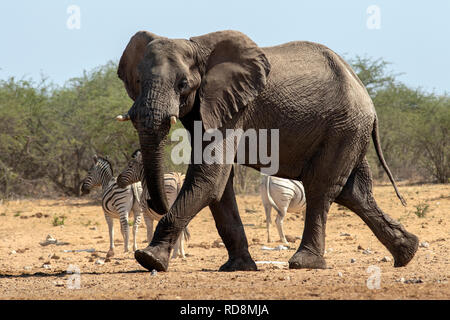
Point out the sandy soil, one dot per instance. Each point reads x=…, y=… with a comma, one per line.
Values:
x=31, y=271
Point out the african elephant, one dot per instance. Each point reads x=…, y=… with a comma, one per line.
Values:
x=323, y=113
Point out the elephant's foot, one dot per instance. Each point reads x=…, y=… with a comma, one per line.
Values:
x=239, y=264
x=153, y=258
x=405, y=250
x=303, y=259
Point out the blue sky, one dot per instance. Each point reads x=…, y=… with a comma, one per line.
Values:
x=413, y=35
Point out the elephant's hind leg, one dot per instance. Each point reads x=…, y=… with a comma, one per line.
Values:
x=230, y=228
x=357, y=196
x=323, y=181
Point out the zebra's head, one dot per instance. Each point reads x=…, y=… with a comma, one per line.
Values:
x=100, y=173
x=134, y=171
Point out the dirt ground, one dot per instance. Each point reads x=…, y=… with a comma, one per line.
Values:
x=354, y=256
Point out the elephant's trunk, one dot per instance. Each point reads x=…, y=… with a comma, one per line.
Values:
x=151, y=117
x=152, y=148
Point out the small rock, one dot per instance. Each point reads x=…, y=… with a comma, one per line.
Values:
x=367, y=251
x=344, y=234
x=402, y=280
x=352, y=260
x=38, y=215
x=340, y=275
x=218, y=244
x=413, y=281
x=360, y=247
x=93, y=228
x=154, y=272
x=46, y=266
x=424, y=244
x=55, y=257
x=13, y=252
x=27, y=267
x=100, y=262
x=48, y=240
x=386, y=259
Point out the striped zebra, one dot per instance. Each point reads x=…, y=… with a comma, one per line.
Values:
x=117, y=203
x=173, y=181
x=284, y=195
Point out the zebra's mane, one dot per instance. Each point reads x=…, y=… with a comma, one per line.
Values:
x=108, y=162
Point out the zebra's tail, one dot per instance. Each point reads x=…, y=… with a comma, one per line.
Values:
x=267, y=186
x=186, y=233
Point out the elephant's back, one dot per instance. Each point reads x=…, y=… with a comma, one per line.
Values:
x=307, y=71
x=296, y=57
x=308, y=61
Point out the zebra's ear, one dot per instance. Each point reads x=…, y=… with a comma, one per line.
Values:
x=95, y=159
x=139, y=156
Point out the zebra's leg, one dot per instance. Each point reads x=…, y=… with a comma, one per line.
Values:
x=109, y=221
x=137, y=222
x=149, y=224
x=124, y=228
x=268, y=209
x=176, y=247
x=279, y=222
x=182, y=239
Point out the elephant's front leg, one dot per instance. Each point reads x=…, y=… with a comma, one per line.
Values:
x=204, y=184
x=230, y=228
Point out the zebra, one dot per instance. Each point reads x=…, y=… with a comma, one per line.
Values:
x=134, y=172
x=284, y=195
x=117, y=203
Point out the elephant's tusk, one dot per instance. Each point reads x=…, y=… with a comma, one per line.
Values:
x=173, y=120
x=124, y=117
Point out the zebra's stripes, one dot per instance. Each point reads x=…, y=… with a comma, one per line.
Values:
x=284, y=195
x=117, y=203
x=134, y=172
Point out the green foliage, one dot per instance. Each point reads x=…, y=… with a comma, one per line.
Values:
x=58, y=221
x=421, y=210
x=48, y=135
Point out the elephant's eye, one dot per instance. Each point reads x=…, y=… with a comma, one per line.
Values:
x=183, y=85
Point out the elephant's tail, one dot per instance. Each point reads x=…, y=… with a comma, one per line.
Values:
x=376, y=142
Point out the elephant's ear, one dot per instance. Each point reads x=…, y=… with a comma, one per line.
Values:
x=236, y=72
x=132, y=55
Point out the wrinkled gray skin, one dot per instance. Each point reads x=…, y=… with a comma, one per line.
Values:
x=325, y=118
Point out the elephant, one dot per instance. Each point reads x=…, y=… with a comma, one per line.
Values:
x=224, y=80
